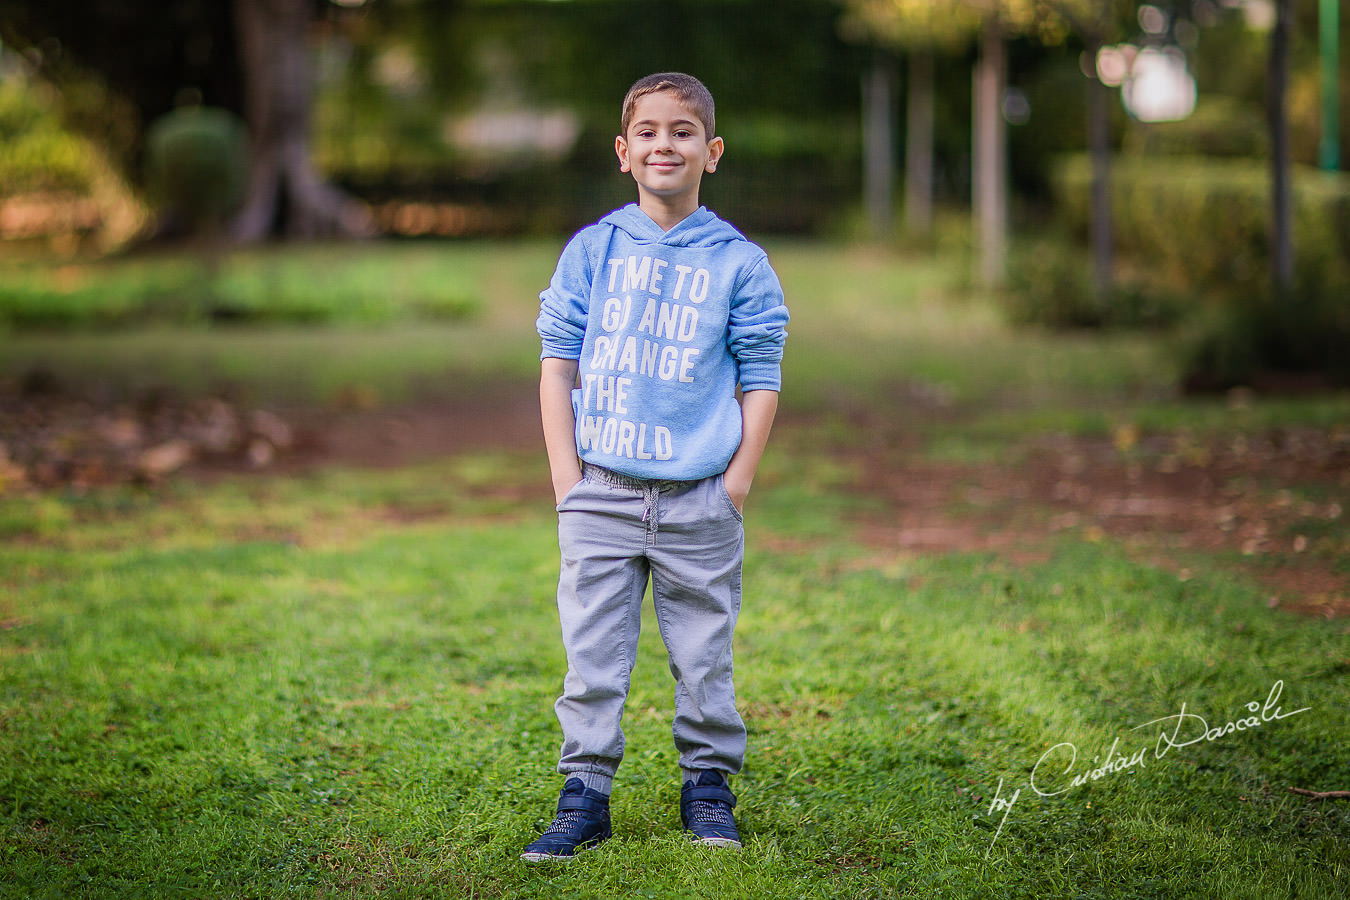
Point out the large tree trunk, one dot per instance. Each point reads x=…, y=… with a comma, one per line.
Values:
x=919, y=144
x=878, y=146
x=990, y=191
x=278, y=92
x=1099, y=149
x=1281, y=220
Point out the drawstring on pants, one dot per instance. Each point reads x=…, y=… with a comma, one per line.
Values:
x=651, y=508
x=651, y=489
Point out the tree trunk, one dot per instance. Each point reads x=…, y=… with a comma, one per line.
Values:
x=990, y=190
x=278, y=93
x=878, y=147
x=1099, y=148
x=919, y=144
x=1281, y=220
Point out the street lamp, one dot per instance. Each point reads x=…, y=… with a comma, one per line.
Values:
x=1328, y=23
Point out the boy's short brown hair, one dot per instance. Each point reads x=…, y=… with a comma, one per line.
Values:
x=688, y=89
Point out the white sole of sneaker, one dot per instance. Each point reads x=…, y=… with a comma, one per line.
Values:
x=724, y=843
x=546, y=858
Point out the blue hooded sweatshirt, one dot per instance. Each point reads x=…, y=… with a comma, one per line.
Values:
x=663, y=325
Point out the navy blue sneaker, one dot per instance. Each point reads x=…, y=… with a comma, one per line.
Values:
x=582, y=821
x=705, y=810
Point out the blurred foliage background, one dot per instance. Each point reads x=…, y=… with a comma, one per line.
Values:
x=464, y=118
x=506, y=102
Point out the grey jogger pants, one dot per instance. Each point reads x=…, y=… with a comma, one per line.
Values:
x=614, y=532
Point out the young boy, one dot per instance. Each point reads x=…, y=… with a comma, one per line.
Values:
x=654, y=316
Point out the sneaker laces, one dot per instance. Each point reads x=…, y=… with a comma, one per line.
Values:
x=567, y=821
x=710, y=812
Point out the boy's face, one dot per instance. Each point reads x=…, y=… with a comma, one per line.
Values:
x=666, y=148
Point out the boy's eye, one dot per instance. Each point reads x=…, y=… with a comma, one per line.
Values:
x=683, y=134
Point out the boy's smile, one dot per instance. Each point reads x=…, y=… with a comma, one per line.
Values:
x=667, y=151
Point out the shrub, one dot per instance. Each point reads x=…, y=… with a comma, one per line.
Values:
x=1262, y=342
x=197, y=164
x=56, y=184
x=1202, y=225
x=1191, y=234
x=1050, y=283
x=36, y=154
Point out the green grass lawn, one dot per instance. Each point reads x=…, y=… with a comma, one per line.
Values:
x=391, y=350
x=340, y=684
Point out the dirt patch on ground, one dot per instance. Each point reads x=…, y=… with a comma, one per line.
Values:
x=1275, y=501
x=52, y=437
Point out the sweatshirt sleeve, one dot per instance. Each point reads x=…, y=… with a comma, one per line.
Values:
x=564, y=304
x=757, y=328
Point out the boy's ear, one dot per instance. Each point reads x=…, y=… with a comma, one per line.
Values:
x=621, y=149
x=715, y=148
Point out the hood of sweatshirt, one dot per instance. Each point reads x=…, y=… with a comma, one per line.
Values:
x=701, y=228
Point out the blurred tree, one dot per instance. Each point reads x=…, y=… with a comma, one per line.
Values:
x=248, y=56
x=919, y=29
x=989, y=147
x=439, y=103
x=912, y=24
x=1277, y=86
x=278, y=98
x=122, y=65
x=1095, y=21
x=919, y=26
x=879, y=145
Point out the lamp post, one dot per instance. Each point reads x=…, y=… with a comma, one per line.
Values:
x=1329, y=149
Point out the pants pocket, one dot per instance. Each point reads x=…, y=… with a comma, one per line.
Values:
x=572, y=491
x=721, y=487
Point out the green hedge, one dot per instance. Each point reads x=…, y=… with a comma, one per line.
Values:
x=1201, y=225
x=1221, y=126
x=1191, y=237
x=312, y=285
